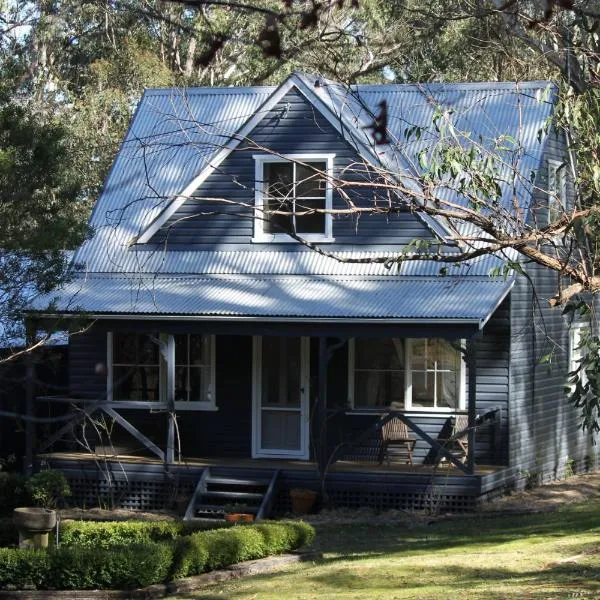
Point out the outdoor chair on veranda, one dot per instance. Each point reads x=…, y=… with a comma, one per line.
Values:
x=395, y=434
x=458, y=440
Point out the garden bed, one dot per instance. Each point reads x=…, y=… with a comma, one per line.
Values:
x=129, y=555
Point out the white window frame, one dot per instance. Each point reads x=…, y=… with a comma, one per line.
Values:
x=210, y=403
x=575, y=353
x=408, y=342
x=166, y=376
x=557, y=188
x=259, y=186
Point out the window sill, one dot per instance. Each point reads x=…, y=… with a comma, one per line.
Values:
x=286, y=239
x=412, y=412
x=204, y=406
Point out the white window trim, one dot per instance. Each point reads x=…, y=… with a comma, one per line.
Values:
x=200, y=404
x=259, y=235
x=574, y=341
x=166, y=375
x=557, y=193
x=408, y=407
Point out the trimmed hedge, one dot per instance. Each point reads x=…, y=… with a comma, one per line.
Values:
x=133, y=565
x=106, y=534
x=210, y=550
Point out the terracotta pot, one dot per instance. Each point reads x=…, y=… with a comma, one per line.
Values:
x=302, y=500
x=237, y=517
x=246, y=517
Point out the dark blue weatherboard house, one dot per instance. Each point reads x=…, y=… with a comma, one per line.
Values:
x=231, y=359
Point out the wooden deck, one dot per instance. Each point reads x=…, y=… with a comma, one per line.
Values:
x=268, y=463
x=144, y=483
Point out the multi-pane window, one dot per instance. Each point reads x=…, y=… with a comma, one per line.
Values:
x=434, y=374
x=557, y=189
x=135, y=367
x=193, y=368
x=158, y=367
x=405, y=373
x=291, y=195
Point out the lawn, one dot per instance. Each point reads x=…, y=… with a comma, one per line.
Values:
x=551, y=555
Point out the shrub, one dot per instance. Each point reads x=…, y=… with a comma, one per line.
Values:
x=94, y=534
x=23, y=569
x=48, y=488
x=13, y=492
x=208, y=550
x=120, y=567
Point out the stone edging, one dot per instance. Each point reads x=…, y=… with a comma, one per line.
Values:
x=161, y=590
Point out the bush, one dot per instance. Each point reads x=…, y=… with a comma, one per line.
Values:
x=48, y=488
x=107, y=565
x=9, y=534
x=209, y=550
x=23, y=569
x=13, y=492
x=94, y=534
x=123, y=567
x=86, y=568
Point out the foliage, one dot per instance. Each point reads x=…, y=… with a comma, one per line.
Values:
x=48, y=489
x=13, y=492
x=94, y=534
x=127, y=557
x=210, y=550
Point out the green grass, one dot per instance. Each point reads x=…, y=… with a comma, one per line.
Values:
x=508, y=557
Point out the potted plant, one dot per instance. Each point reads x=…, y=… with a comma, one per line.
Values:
x=302, y=500
x=235, y=513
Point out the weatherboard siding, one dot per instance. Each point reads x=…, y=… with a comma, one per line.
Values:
x=293, y=126
x=227, y=431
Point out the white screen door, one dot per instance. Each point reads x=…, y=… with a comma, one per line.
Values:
x=280, y=397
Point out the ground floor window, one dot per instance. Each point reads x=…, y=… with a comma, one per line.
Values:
x=160, y=366
x=405, y=374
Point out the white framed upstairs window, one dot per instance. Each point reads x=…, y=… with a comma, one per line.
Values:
x=557, y=189
x=425, y=374
x=289, y=192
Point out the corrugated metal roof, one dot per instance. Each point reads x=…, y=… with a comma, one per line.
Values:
x=462, y=299
x=176, y=133
x=307, y=262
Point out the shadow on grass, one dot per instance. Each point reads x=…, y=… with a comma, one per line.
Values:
x=345, y=542
x=564, y=581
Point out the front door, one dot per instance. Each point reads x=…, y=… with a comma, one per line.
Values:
x=280, y=397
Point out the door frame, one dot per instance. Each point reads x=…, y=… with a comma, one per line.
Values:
x=257, y=452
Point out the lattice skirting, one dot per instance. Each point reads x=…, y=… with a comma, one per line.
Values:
x=151, y=492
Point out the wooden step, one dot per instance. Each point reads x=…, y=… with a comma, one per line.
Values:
x=238, y=482
x=234, y=496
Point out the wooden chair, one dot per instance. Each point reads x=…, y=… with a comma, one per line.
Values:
x=458, y=440
x=395, y=433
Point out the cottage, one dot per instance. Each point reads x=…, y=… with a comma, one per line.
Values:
x=247, y=327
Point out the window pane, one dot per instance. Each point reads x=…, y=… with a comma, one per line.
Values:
x=420, y=354
x=199, y=349
x=442, y=354
x=378, y=389
x=311, y=181
x=277, y=223
x=423, y=389
x=279, y=179
x=148, y=351
x=199, y=382
x=181, y=384
x=181, y=349
x=125, y=346
x=379, y=353
x=135, y=383
x=447, y=390
x=280, y=371
x=310, y=223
